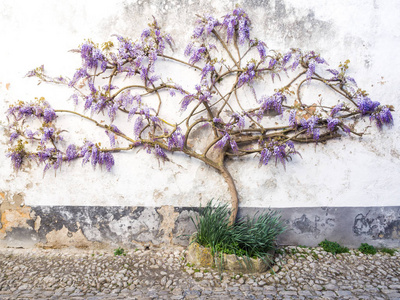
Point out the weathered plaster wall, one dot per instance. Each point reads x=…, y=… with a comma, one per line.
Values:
x=141, y=199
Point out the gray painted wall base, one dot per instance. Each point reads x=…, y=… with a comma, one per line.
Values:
x=99, y=227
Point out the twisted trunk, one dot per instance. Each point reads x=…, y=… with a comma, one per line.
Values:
x=216, y=161
x=233, y=192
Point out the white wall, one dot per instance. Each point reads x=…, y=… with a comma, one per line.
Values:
x=344, y=172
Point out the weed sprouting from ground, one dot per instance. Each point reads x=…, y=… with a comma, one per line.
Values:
x=333, y=247
x=119, y=251
x=367, y=249
x=388, y=251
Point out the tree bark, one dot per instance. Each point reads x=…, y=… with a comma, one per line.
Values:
x=233, y=192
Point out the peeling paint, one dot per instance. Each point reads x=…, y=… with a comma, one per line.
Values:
x=13, y=213
x=64, y=238
x=168, y=216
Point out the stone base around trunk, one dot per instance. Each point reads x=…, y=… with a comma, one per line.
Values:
x=201, y=256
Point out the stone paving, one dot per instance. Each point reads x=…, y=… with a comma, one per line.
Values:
x=163, y=273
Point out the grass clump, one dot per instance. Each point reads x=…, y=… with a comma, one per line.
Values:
x=246, y=237
x=388, y=251
x=367, y=249
x=333, y=247
x=119, y=251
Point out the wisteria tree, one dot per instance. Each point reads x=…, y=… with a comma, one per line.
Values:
x=122, y=82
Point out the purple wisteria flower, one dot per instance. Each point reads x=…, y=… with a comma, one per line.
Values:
x=92, y=88
x=99, y=106
x=262, y=49
x=186, y=101
x=292, y=118
x=79, y=74
x=14, y=136
x=340, y=76
x=111, y=137
x=281, y=152
x=265, y=156
x=316, y=134
x=205, y=26
x=16, y=158
x=71, y=152
x=221, y=143
x=248, y=75
x=112, y=111
x=240, y=19
x=207, y=69
x=107, y=159
x=310, y=69
x=172, y=92
x=332, y=123
x=272, y=63
x=296, y=60
x=188, y=49
x=384, y=116
x=177, y=139
x=312, y=122
x=39, y=71
x=127, y=49
x=145, y=34
x=88, y=102
x=132, y=112
x=75, y=99
x=310, y=126
x=48, y=133
x=29, y=134
x=286, y=58
x=49, y=115
x=234, y=146
x=137, y=128
x=58, y=162
x=197, y=54
x=205, y=96
x=110, y=87
x=45, y=154
x=153, y=40
x=95, y=156
x=198, y=31
x=86, y=152
x=335, y=74
x=160, y=152
x=26, y=110
x=311, y=59
x=336, y=109
x=365, y=104
x=241, y=122
x=91, y=56
x=217, y=120
x=229, y=23
x=273, y=102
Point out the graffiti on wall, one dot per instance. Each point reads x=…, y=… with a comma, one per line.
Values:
x=314, y=225
x=378, y=226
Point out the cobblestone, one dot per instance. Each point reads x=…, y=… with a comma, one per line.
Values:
x=162, y=273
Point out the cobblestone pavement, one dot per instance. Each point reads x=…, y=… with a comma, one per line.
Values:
x=163, y=273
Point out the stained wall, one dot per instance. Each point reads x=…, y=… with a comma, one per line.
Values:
x=346, y=190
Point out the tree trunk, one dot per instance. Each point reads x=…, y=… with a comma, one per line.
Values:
x=233, y=192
